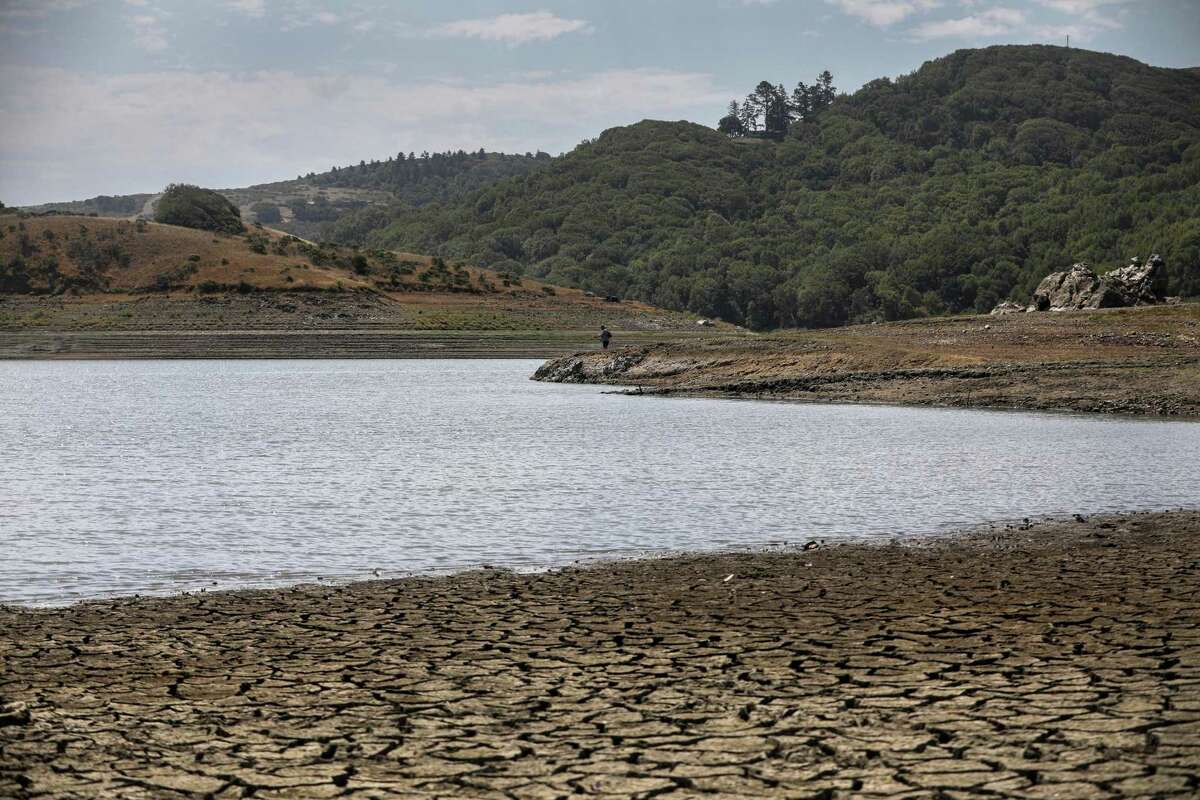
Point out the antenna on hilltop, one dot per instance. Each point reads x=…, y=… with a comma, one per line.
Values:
x=1068, y=41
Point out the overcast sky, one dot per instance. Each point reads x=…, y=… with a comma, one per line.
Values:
x=123, y=96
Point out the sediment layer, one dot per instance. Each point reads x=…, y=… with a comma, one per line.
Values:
x=1143, y=361
x=1054, y=659
x=299, y=344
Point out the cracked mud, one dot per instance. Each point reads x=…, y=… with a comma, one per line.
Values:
x=1054, y=660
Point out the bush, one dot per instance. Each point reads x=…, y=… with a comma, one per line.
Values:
x=258, y=242
x=267, y=213
x=194, y=207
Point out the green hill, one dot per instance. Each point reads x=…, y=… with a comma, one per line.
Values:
x=941, y=191
x=343, y=204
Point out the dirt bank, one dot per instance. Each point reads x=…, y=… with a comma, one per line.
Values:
x=304, y=344
x=1132, y=361
x=1051, y=660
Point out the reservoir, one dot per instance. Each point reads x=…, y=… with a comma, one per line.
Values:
x=154, y=477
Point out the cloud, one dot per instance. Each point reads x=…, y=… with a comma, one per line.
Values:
x=148, y=32
x=884, y=13
x=991, y=22
x=1089, y=12
x=39, y=9
x=512, y=28
x=226, y=129
x=251, y=8
x=22, y=17
x=1081, y=6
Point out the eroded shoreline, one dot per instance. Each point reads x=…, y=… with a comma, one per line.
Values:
x=1136, y=361
x=1062, y=659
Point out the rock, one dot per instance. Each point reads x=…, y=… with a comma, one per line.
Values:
x=591, y=367
x=704, y=323
x=14, y=714
x=1080, y=287
x=1008, y=307
x=1139, y=284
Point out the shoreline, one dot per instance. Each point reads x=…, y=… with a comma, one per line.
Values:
x=715, y=394
x=1056, y=659
x=300, y=344
x=1141, y=361
x=950, y=534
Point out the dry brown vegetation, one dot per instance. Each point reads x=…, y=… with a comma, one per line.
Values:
x=1137, y=360
x=95, y=274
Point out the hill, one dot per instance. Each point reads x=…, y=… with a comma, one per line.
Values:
x=63, y=273
x=344, y=203
x=943, y=191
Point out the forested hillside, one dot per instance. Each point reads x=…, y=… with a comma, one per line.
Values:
x=344, y=204
x=941, y=191
x=414, y=181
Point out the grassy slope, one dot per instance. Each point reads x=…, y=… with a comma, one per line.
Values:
x=1137, y=360
x=286, y=287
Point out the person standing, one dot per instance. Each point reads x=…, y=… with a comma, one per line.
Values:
x=605, y=337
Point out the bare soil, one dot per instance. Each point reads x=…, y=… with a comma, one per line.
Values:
x=1134, y=361
x=1038, y=660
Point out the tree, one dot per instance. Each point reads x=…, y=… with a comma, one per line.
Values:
x=731, y=124
x=267, y=213
x=777, y=114
x=801, y=101
x=194, y=207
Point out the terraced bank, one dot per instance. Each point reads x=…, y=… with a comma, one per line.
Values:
x=303, y=344
x=1046, y=660
x=1142, y=361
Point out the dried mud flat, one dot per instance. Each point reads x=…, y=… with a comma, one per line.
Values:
x=1060, y=659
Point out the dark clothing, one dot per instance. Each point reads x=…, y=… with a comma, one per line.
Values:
x=605, y=336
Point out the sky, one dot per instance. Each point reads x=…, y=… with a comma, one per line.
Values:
x=125, y=96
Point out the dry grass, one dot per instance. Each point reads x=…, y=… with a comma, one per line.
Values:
x=179, y=278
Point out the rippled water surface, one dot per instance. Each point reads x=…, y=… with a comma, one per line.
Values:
x=142, y=477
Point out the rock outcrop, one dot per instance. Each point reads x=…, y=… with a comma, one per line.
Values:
x=1140, y=284
x=1008, y=307
x=1080, y=287
x=590, y=367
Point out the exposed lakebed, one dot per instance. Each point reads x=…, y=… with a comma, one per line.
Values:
x=161, y=476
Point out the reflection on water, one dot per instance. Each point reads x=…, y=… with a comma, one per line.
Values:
x=138, y=477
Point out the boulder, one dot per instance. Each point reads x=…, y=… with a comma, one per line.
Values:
x=1078, y=287
x=1008, y=307
x=1139, y=284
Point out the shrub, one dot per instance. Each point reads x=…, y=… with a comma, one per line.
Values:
x=267, y=213
x=194, y=207
x=258, y=242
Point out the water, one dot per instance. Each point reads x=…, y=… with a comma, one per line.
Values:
x=154, y=477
